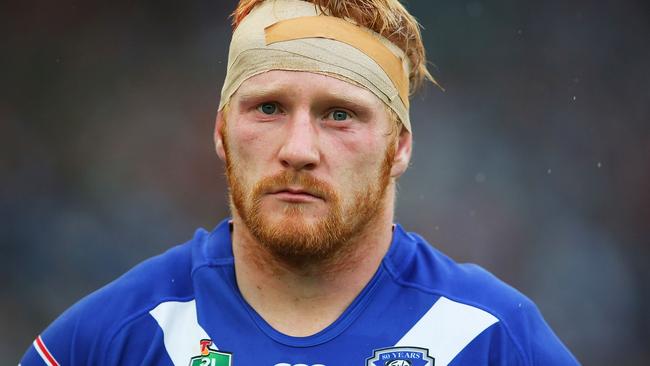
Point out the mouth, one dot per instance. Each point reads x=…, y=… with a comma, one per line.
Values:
x=295, y=195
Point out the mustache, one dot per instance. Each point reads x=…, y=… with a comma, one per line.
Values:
x=302, y=181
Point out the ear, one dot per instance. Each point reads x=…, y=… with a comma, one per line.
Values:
x=219, y=124
x=402, y=153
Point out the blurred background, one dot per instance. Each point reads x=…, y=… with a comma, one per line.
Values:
x=535, y=162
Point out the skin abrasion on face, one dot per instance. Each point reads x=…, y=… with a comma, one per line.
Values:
x=296, y=238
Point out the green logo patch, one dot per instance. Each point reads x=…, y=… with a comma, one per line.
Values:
x=211, y=357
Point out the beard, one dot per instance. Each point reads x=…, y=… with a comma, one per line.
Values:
x=294, y=240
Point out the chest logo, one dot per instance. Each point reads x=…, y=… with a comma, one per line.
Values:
x=210, y=356
x=401, y=356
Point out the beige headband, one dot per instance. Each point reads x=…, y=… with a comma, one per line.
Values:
x=293, y=35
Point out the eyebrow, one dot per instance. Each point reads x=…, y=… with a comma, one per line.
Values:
x=258, y=93
x=357, y=105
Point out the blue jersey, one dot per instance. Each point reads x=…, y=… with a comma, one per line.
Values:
x=184, y=308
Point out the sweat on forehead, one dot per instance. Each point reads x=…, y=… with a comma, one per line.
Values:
x=293, y=35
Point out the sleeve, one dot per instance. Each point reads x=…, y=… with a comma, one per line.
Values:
x=83, y=336
x=38, y=354
x=75, y=338
x=112, y=326
x=79, y=335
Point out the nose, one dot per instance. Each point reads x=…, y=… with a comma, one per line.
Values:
x=299, y=149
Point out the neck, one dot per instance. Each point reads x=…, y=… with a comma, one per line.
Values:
x=302, y=299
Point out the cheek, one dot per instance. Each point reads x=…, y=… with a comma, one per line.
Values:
x=363, y=143
x=360, y=158
x=246, y=148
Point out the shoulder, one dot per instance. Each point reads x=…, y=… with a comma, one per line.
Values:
x=164, y=277
x=472, y=291
x=423, y=267
x=85, y=331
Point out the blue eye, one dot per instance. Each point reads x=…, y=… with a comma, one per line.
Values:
x=268, y=108
x=339, y=115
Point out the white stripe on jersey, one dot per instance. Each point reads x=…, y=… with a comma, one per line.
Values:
x=45, y=354
x=40, y=353
x=181, y=330
x=446, y=329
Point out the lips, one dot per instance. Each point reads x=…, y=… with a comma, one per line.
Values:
x=294, y=194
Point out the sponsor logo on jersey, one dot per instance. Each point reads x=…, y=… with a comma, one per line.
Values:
x=401, y=356
x=210, y=356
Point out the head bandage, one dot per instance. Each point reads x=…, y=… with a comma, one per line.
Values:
x=293, y=35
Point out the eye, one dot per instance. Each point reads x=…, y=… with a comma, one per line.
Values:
x=339, y=115
x=268, y=108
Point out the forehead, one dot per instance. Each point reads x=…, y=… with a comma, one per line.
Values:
x=306, y=86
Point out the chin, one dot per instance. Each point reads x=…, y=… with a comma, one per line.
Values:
x=292, y=220
x=288, y=213
x=294, y=236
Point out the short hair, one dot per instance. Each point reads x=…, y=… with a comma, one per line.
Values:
x=386, y=17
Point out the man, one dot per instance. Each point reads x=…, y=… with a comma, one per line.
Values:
x=314, y=131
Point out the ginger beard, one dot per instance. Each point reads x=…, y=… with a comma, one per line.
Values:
x=292, y=239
